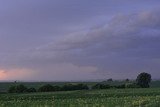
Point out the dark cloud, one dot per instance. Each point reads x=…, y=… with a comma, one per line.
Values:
x=86, y=39
x=127, y=44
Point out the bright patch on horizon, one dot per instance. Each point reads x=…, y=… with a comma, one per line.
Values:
x=2, y=75
x=15, y=74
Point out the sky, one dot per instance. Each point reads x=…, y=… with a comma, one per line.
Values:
x=64, y=40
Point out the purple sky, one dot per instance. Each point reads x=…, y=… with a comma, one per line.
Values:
x=79, y=39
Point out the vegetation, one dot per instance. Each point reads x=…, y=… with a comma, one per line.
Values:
x=143, y=80
x=131, y=85
x=110, y=80
x=125, y=93
x=101, y=86
x=69, y=87
x=31, y=90
x=17, y=89
x=46, y=88
x=127, y=80
x=140, y=97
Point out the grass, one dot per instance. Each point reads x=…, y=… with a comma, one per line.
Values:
x=86, y=98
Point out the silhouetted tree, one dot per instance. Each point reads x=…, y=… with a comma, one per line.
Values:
x=143, y=80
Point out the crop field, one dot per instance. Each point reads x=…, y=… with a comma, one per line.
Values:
x=85, y=98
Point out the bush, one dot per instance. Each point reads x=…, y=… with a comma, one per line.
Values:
x=101, y=86
x=20, y=88
x=31, y=90
x=56, y=88
x=12, y=89
x=131, y=85
x=120, y=86
x=81, y=87
x=46, y=88
x=17, y=89
x=69, y=87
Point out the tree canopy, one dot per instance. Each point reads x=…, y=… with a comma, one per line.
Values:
x=143, y=80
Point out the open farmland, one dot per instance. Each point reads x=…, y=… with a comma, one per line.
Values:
x=87, y=98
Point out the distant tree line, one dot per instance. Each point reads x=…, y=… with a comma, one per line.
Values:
x=20, y=88
x=142, y=81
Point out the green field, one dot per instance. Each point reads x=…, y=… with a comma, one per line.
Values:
x=87, y=98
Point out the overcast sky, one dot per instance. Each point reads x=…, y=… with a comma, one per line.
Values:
x=79, y=39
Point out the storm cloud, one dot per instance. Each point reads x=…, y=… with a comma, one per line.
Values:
x=79, y=40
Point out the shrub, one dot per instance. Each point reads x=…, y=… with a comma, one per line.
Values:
x=81, y=87
x=17, y=89
x=31, y=90
x=46, y=88
x=101, y=86
x=20, y=88
x=120, y=86
x=131, y=85
x=69, y=87
x=12, y=89
x=56, y=88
